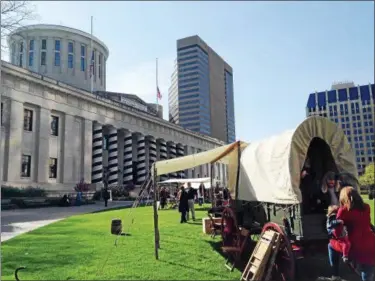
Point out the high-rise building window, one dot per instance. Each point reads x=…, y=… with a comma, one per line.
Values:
x=28, y=120
x=83, y=57
x=54, y=125
x=70, y=55
x=53, y=168
x=26, y=166
x=20, y=62
x=43, y=54
x=57, y=52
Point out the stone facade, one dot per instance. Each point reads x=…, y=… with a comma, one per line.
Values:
x=53, y=135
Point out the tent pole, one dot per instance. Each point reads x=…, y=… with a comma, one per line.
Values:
x=212, y=185
x=156, y=222
x=238, y=169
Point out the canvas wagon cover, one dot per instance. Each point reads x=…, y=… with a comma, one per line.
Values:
x=271, y=168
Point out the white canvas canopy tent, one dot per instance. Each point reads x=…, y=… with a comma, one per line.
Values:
x=227, y=154
x=195, y=183
x=271, y=168
x=268, y=170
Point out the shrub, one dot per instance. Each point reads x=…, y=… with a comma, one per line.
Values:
x=119, y=191
x=82, y=187
x=16, y=192
x=97, y=195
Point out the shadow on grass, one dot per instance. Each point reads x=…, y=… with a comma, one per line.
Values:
x=111, y=209
x=184, y=265
x=202, y=208
x=196, y=222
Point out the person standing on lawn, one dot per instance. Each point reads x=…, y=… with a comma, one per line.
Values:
x=191, y=194
x=183, y=205
x=355, y=215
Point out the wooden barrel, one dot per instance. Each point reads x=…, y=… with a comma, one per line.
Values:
x=116, y=227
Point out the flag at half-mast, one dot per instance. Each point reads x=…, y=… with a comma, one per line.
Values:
x=159, y=96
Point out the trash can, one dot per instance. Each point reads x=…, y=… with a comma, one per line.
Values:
x=116, y=227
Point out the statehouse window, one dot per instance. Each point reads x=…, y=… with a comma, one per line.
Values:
x=70, y=55
x=83, y=57
x=52, y=168
x=26, y=166
x=43, y=54
x=57, y=52
x=28, y=120
x=54, y=125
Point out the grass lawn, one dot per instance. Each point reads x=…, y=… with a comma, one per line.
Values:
x=82, y=248
x=78, y=247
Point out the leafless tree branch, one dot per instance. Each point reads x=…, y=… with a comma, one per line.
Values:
x=13, y=15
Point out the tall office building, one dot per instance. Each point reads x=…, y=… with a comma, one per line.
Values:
x=352, y=107
x=201, y=93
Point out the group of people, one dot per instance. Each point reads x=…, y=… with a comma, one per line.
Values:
x=349, y=227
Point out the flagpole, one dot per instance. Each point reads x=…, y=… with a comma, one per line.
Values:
x=157, y=98
x=91, y=61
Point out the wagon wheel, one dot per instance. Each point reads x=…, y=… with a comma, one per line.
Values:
x=284, y=266
x=229, y=227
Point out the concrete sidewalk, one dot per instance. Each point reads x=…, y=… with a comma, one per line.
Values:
x=19, y=221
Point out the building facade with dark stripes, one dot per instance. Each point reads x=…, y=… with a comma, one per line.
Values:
x=54, y=135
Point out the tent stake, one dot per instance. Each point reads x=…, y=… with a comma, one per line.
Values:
x=156, y=222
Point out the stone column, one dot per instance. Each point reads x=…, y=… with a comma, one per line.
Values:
x=44, y=132
x=141, y=160
x=180, y=153
x=15, y=142
x=172, y=154
x=163, y=155
x=97, y=153
x=128, y=158
x=87, y=150
x=112, y=157
x=68, y=149
x=151, y=151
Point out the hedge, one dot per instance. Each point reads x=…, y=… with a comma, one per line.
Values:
x=16, y=192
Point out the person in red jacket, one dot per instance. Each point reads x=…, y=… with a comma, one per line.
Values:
x=355, y=215
x=339, y=239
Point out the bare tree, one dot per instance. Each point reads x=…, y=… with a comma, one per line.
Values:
x=13, y=15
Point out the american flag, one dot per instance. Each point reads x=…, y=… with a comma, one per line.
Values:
x=158, y=93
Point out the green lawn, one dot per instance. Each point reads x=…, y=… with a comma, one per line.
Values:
x=77, y=249
x=82, y=248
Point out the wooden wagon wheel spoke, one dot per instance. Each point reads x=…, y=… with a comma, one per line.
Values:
x=284, y=266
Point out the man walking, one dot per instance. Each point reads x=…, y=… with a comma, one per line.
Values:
x=192, y=193
x=183, y=205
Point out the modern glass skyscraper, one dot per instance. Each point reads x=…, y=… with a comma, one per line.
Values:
x=352, y=107
x=201, y=93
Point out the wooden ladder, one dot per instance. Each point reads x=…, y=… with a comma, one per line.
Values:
x=266, y=249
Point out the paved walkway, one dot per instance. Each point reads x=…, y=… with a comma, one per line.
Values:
x=18, y=221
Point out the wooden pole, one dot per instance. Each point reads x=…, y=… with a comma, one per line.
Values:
x=156, y=220
x=212, y=186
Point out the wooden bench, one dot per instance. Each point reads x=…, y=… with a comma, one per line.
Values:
x=235, y=251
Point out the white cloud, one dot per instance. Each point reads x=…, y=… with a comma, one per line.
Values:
x=140, y=80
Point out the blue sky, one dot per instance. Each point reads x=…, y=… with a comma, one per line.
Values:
x=280, y=51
